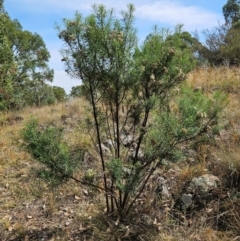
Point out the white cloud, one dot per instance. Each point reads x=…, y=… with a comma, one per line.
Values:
x=173, y=13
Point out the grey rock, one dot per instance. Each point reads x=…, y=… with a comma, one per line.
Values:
x=165, y=192
x=203, y=184
x=161, y=180
x=187, y=200
x=126, y=140
x=198, y=192
x=139, y=156
x=162, y=187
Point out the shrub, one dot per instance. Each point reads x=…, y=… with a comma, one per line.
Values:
x=48, y=147
x=102, y=51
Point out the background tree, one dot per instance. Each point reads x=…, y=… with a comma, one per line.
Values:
x=231, y=12
x=7, y=66
x=59, y=93
x=78, y=91
x=221, y=46
x=214, y=40
x=30, y=58
x=230, y=50
x=185, y=41
x=39, y=94
x=222, y=42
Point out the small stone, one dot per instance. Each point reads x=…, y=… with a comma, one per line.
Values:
x=165, y=192
x=126, y=140
x=187, y=200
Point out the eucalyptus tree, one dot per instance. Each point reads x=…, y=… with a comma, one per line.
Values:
x=231, y=11
x=77, y=91
x=59, y=93
x=231, y=47
x=31, y=57
x=222, y=42
x=7, y=66
x=29, y=54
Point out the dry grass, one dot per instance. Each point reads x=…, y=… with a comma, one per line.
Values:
x=29, y=209
x=223, y=79
x=18, y=184
x=211, y=79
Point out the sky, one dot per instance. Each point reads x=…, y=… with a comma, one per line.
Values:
x=41, y=17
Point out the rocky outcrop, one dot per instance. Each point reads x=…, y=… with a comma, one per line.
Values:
x=199, y=191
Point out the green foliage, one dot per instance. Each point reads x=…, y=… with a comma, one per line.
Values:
x=47, y=147
x=89, y=175
x=35, y=93
x=231, y=11
x=6, y=64
x=115, y=167
x=23, y=62
x=89, y=39
x=231, y=47
x=192, y=115
x=197, y=110
x=163, y=64
x=59, y=93
x=185, y=41
x=78, y=91
x=102, y=51
x=221, y=45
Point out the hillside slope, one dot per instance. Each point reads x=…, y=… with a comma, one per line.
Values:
x=31, y=210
